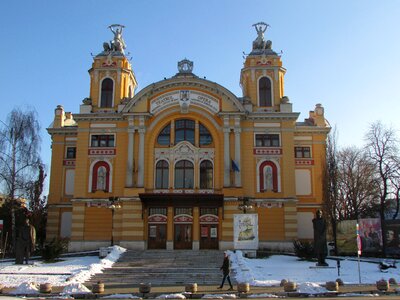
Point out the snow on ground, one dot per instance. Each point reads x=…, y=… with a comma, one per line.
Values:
x=70, y=270
x=270, y=271
x=257, y=272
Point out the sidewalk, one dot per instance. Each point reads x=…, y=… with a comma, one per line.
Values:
x=257, y=292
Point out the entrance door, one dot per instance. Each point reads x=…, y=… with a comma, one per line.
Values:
x=208, y=236
x=183, y=236
x=157, y=236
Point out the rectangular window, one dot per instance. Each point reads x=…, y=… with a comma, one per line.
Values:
x=104, y=140
x=157, y=211
x=302, y=152
x=267, y=140
x=71, y=152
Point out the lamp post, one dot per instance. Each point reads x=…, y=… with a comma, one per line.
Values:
x=113, y=205
x=245, y=206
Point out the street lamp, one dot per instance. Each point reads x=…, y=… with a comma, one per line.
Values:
x=245, y=206
x=113, y=205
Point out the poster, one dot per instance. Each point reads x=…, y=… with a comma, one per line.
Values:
x=392, y=237
x=371, y=235
x=347, y=237
x=204, y=231
x=213, y=232
x=245, y=231
x=153, y=231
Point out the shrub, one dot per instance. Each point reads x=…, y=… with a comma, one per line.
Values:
x=53, y=249
x=303, y=249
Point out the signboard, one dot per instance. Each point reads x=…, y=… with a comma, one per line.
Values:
x=245, y=231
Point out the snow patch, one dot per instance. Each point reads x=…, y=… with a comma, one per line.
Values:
x=219, y=296
x=171, y=296
x=311, y=288
x=26, y=288
x=262, y=296
x=75, y=288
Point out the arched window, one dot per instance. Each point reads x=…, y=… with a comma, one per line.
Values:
x=265, y=91
x=184, y=131
x=162, y=172
x=205, y=137
x=184, y=175
x=268, y=173
x=107, y=91
x=101, y=177
x=164, y=136
x=206, y=174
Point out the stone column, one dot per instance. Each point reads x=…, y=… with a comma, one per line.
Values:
x=227, y=158
x=238, y=174
x=131, y=154
x=196, y=229
x=140, y=180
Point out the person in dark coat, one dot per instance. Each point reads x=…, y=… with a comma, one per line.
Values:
x=226, y=269
x=26, y=240
x=320, y=247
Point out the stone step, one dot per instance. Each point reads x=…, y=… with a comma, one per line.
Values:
x=164, y=267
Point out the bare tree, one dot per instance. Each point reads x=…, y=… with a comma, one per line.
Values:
x=330, y=184
x=19, y=156
x=38, y=205
x=382, y=150
x=357, y=186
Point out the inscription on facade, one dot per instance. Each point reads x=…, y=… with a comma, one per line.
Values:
x=192, y=98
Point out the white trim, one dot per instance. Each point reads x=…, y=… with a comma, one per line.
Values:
x=100, y=88
x=278, y=170
x=103, y=125
x=110, y=182
x=258, y=90
x=303, y=138
x=71, y=139
x=267, y=124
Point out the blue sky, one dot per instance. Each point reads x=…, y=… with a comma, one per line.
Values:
x=343, y=54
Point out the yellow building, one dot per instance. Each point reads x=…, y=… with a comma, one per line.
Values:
x=172, y=165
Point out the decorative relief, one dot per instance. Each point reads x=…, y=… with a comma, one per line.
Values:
x=304, y=162
x=270, y=204
x=69, y=162
x=184, y=99
x=183, y=219
x=184, y=150
x=95, y=151
x=208, y=219
x=267, y=151
x=160, y=219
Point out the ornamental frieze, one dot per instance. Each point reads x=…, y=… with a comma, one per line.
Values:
x=95, y=151
x=267, y=151
x=304, y=162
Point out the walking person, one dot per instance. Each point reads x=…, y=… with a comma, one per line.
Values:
x=226, y=269
x=26, y=239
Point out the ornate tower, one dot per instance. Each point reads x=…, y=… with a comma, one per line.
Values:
x=262, y=76
x=112, y=81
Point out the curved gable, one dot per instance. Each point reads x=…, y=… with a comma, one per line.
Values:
x=184, y=93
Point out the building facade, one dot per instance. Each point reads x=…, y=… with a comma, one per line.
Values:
x=170, y=166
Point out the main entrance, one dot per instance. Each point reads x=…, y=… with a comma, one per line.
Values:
x=171, y=222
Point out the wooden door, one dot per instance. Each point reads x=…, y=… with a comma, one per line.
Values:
x=183, y=236
x=157, y=237
x=208, y=236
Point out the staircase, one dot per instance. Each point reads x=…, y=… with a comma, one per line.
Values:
x=164, y=267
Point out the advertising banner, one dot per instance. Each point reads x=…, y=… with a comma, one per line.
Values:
x=245, y=231
x=392, y=237
x=347, y=237
x=371, y=235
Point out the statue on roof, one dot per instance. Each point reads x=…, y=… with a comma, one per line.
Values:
x=260, y=42
x=118, y=43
